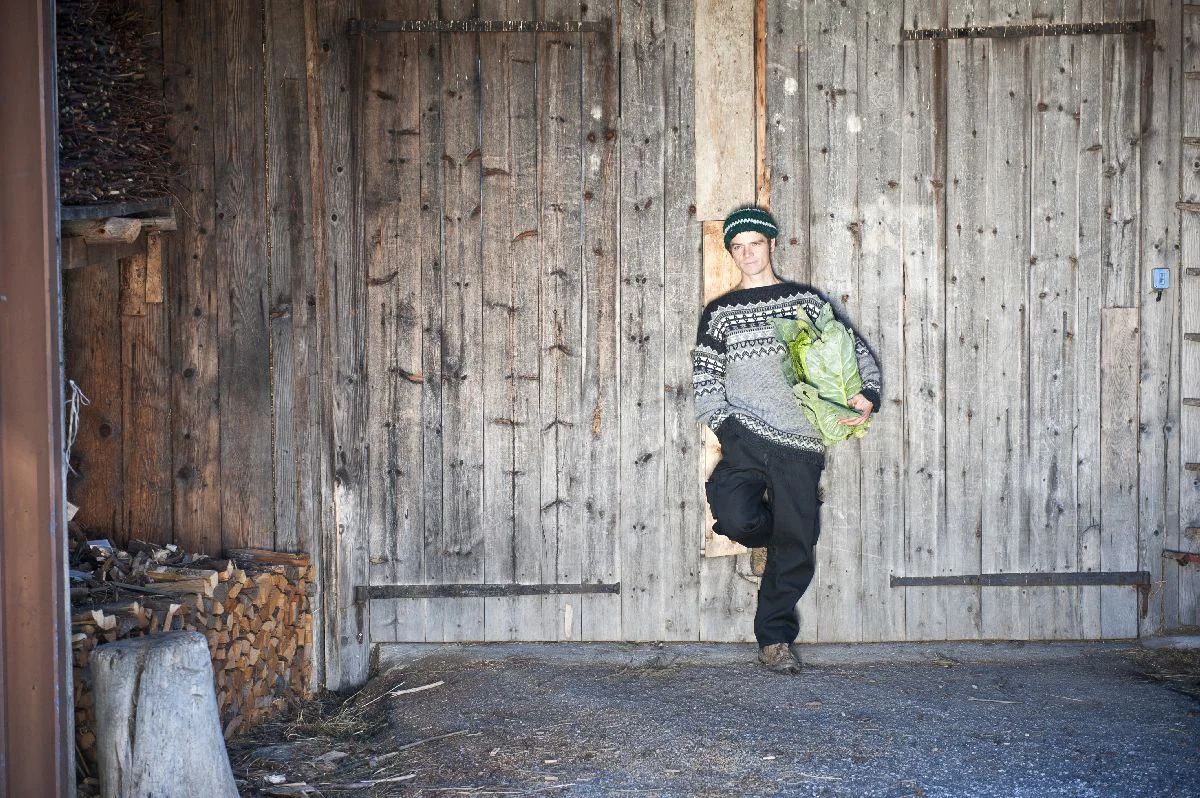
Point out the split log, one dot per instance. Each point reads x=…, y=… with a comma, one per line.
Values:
x=113, y=230
x=156, y=719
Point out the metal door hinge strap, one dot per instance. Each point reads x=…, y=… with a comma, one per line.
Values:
x=1033, y=579
x=364, y=593
x=360, y=26
x=1181, y=557
x=1145, y=27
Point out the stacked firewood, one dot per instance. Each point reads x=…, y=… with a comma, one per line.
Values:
x=252, y=606
x=113, y=143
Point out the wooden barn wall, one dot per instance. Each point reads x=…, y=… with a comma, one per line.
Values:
x=278, y=397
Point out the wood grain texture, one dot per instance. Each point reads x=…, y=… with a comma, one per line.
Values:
x=1159, y=407
x=192, y=281
x=1119, y=135
x=1119, y=347
x=683, y=500
x=1006, y=541
x=92, y=352
x=342, y=289
x=145, y=406
x=923, y=388
x=461, y=550
x=880, y=320
x=725, y=118
x=645, y=591
x=240, y=258
x=601, y=336
x=787, y=135
x=297, y=429
x=1182, y=604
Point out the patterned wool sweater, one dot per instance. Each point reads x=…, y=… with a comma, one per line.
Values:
x=737, y=371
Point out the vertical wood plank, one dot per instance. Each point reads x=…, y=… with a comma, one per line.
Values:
x=725, y=120
x=145, y=405
x=462, y=548
x=188, y=31
x=644, y=591
x=1119, y=367
x=1160, y=409
x=564, y=428
x=289, y=209
x=342, y=296
x=391, y=206
x=92, y=354
x=601, y=337
x=831, y=610
x=787, y=133
x=1053, y=612
x=683, y=500
x=1088, y=300
x=1119, y=132
x=240, y=258
x=880, y=320
x=1006, y=536
x=922, y=390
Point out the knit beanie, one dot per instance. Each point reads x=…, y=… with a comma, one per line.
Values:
x=751, y=218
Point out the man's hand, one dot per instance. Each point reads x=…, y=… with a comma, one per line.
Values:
x=863, y=405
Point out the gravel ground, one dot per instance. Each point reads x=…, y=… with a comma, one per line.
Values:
x=703, y=720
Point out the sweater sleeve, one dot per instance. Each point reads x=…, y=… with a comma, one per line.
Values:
x=868, y=369
x=708, y=374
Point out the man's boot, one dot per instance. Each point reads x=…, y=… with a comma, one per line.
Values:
x=779, y=658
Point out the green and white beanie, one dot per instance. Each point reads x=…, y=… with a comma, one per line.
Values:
x=750, y=218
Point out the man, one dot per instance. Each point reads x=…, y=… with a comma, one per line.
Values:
x=763, y=492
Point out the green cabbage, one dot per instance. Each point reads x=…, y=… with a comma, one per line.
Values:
x=822, y=369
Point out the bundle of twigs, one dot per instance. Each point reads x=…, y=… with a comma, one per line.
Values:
x=113, y=144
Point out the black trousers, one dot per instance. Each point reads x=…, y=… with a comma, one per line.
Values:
x=762, y=497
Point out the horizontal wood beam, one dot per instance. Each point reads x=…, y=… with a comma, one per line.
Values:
x=160, y=206
x=1144, y=27
x=357, y=27
x=478, y=590
x=1029, y=579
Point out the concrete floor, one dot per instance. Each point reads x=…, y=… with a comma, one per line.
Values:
x=704, y=720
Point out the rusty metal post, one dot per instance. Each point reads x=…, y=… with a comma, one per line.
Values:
x=35, y=687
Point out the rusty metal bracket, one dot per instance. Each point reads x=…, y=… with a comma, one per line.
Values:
x=1182, y=557
x=1144, y=27
x=1138, y=579
x=358, y=27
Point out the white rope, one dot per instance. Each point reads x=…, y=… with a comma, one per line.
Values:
x=76, y=400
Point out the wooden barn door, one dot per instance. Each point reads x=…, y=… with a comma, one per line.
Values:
x=489, y=206
x=1039, y=302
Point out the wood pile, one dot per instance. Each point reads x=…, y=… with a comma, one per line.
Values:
x=252, y=606
x=112, y=119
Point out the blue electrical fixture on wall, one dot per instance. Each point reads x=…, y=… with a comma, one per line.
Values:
x=1162, y=279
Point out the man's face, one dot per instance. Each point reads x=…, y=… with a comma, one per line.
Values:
x=751, y=251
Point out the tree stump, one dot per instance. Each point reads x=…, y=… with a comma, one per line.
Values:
x=157, y=729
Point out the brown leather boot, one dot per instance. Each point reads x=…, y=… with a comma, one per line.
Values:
x=779, y=658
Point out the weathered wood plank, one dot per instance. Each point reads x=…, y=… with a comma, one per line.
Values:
x=1187, y=599
x=601, y=338
x=239, y=252
x=188, y=31
x=724, y=106
x=462, y=550
x=1119, y=132
x=1159, y=406
x=1119, y=347
x=429, y=246
x=343, y=281
x=1006, y=535
x=564, y=428
x=787, y=133
x=881, y=321
x=921, y=182
x=145, y=406
x=1088, y=301
x=644, y=608
x=1050, y=474
x=966, y=229
x=391, y=205
x=92, y=353
x=289, y=212
x=683, y=499
x=831, y=610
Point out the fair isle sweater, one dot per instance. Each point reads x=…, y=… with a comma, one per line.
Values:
x=737, y=368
